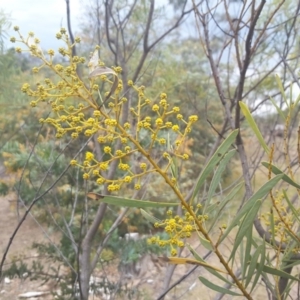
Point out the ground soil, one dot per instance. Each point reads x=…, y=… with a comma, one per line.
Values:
x=149, y=282
x=21, y=246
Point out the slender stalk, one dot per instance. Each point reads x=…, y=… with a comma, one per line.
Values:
x=189, y=210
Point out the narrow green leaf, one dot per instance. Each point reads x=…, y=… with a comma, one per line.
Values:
x=280, y=112
x=254, y=243
x=174, y=167
x=210, y=270
x=224, y=202
x=277, y=171
x=260, y=265
x=291, y=95
x=186, y=261
x=272, y=225
x=293, y=264
x=205, y=243
x=258, y=195
x=217, y=177
x=289, y=253
x=247, y=256
x=291, y=206
x=297, y=101
x=288, y=288
x=217, y=288
x=254, y=126
x=212, y=208
x=242, y=259
x=148, y=217
x=291, y=236
x=253, y=264
x=124, y=202
x=245, y=226
x=265, y=278
x=280, y=86
x=280, y=273
x=214, y=160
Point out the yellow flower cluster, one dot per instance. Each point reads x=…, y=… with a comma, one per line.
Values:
x=93, y=168
x=178, y=228
x=157, y=128
x=280, y=219
x=76, y=110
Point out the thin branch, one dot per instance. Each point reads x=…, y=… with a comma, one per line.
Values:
x=107, y=18
x=214, y=69
x=148, y=25
x=70, y=29
x=147, y=47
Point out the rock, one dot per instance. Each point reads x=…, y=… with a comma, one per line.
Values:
x=7, y=280
x=192, y=286
x=132, y=236
x=32, y=295
x=150, y=281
